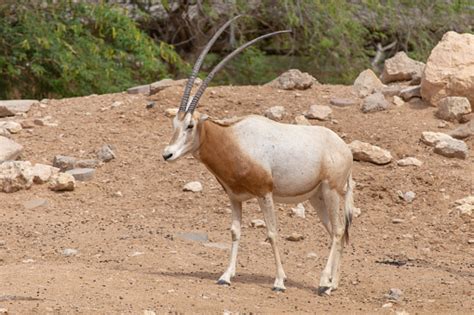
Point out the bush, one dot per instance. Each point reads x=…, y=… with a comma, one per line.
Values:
x=69, y=49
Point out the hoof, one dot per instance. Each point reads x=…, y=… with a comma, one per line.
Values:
x=223, y=282
x=276, y=289
x=324, y=290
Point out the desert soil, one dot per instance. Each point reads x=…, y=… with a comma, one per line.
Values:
x=130, y=259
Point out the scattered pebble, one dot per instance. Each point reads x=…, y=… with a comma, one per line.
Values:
x=409, y=161
x=295, y=237
x=275, y=112
x=62, y=182
x=257, y=223
x=394, y=294
x=298, y=211
x=397, y=221
x=106, y=153
x=70, y=252
x=193, y=186
x=312, y=255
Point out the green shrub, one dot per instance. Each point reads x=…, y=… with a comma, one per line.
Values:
x=69, y=49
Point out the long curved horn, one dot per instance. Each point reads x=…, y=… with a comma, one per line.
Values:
x=221, y=64
x=197, y=65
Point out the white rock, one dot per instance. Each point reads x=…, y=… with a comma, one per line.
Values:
x=452, y=148
x=409, y=161
x=301, y=120
x=275, y=112
x=452, y=108
x=410, y=92
x=62, y=182
x=257, y=223
x=312, y=255
x=148, y=312
x=9, y=149
x=374, y=103
x=293, y=79
x=15, y=175
x=171, y=112
x=116, y=104
x=463, y=131
x=356, y=212
x=193, y=186
x=11, y=126
x=367, y=83
x=13, y=107
x=320, y=112
x=42, y=173
x=394, y=294
x=363, y=151
x=432, y=138
x=401, y=68
x=449, y=70
x=409, y=196
x=70, y=252
x=398, y=101
x=299, y=211
x=465, y=211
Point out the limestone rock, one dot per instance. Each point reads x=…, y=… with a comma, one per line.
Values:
x=171, y=112
x=432, y=138
x=342, y=102
x=363, y=151
x=11, y=126
x=42, y=173
x=452, y=148
x=401, y=68
x=391, y=90
x=64, y=162
x=293, y=79
x=409, y=161
x=463, y=131
x=275, y=112
x=193, y=186
x=298, y=211
x=70, y=252
x=257, y=223
x=106, y=153
x=449, y=70
x=62, y=182
x=398, y=101
x=410, y=92
x=374, y=103
x=301, y=120
x=453, y=108
x=319, y=112
x=367, y=83
x=9, y=149
x=15, y=175
x=13, y=107
x=82, y=174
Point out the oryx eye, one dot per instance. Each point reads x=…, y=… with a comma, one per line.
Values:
x=190, y=126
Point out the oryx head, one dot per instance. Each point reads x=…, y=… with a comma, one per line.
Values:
x=185, y=124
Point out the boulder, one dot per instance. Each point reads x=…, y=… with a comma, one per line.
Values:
x=319, y=112
x=9, y=149
x=62, y=182
x=363, y=151
x=367, y=83
x=401, y=68
x=15, y=175
x=453, y=108
x=293, y=79
x=463, y=131
x=410, y=92
x=374, y=103
x=13, y=107
x=275, y=112
x=449, y=70
x=42, y=173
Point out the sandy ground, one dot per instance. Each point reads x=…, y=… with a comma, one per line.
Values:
x=130, y=259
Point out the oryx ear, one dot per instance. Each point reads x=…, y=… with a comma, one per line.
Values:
x=203, y=117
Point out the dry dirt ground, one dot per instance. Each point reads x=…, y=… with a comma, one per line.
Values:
x=130, y=260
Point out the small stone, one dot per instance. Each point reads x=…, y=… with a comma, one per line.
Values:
x=116, y=104
x=374, y=103
x=40, y=122
x=171, y=112
x=3, y=311
x=298, y=211
x=275, y=112
x=13, y=107
x=106, y=153
x=470, y=241
x=62, y=182
x=367, y=83
x=410, y=92
x=391, y=90
x=452, y=148
x=398, y=101
x=343, y=102
x=295, y=237
x=82, y=174
x=387, y=305
x=64, y=162
x=409, y=196
x=397, y=221
x=452, y=108
x=42, y=173
x=88, y=163
x=148, y=312
x=27, y=261
x=401, y=68
x=356, y=212
x=301, y=120
x=409, y=161
x=35, y=203
x=141, y=89
x=193, y=186
x=150, y=105
x=465, y=211
x=70, y=252
x=135, y=254
x=432, y=138
x=193, y=236
x=11, y=126
x=312, y=255
x=15, y=175
x=319, y=112
x=443, y=124
x=463, y=131
x=363, y=151
x=394, y=294
x=117, y=194
x=257, y=223
x=27, y=124
x=466, y=200
x=9, y=149
x=5, y=133
x=293, y=79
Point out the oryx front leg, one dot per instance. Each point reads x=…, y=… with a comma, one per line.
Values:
x=235, y=232
x=266, y=204
x=330, y=275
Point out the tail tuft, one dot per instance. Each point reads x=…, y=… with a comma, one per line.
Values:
x=348, y=207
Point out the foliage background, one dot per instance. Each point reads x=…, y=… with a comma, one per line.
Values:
x=67, y=48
